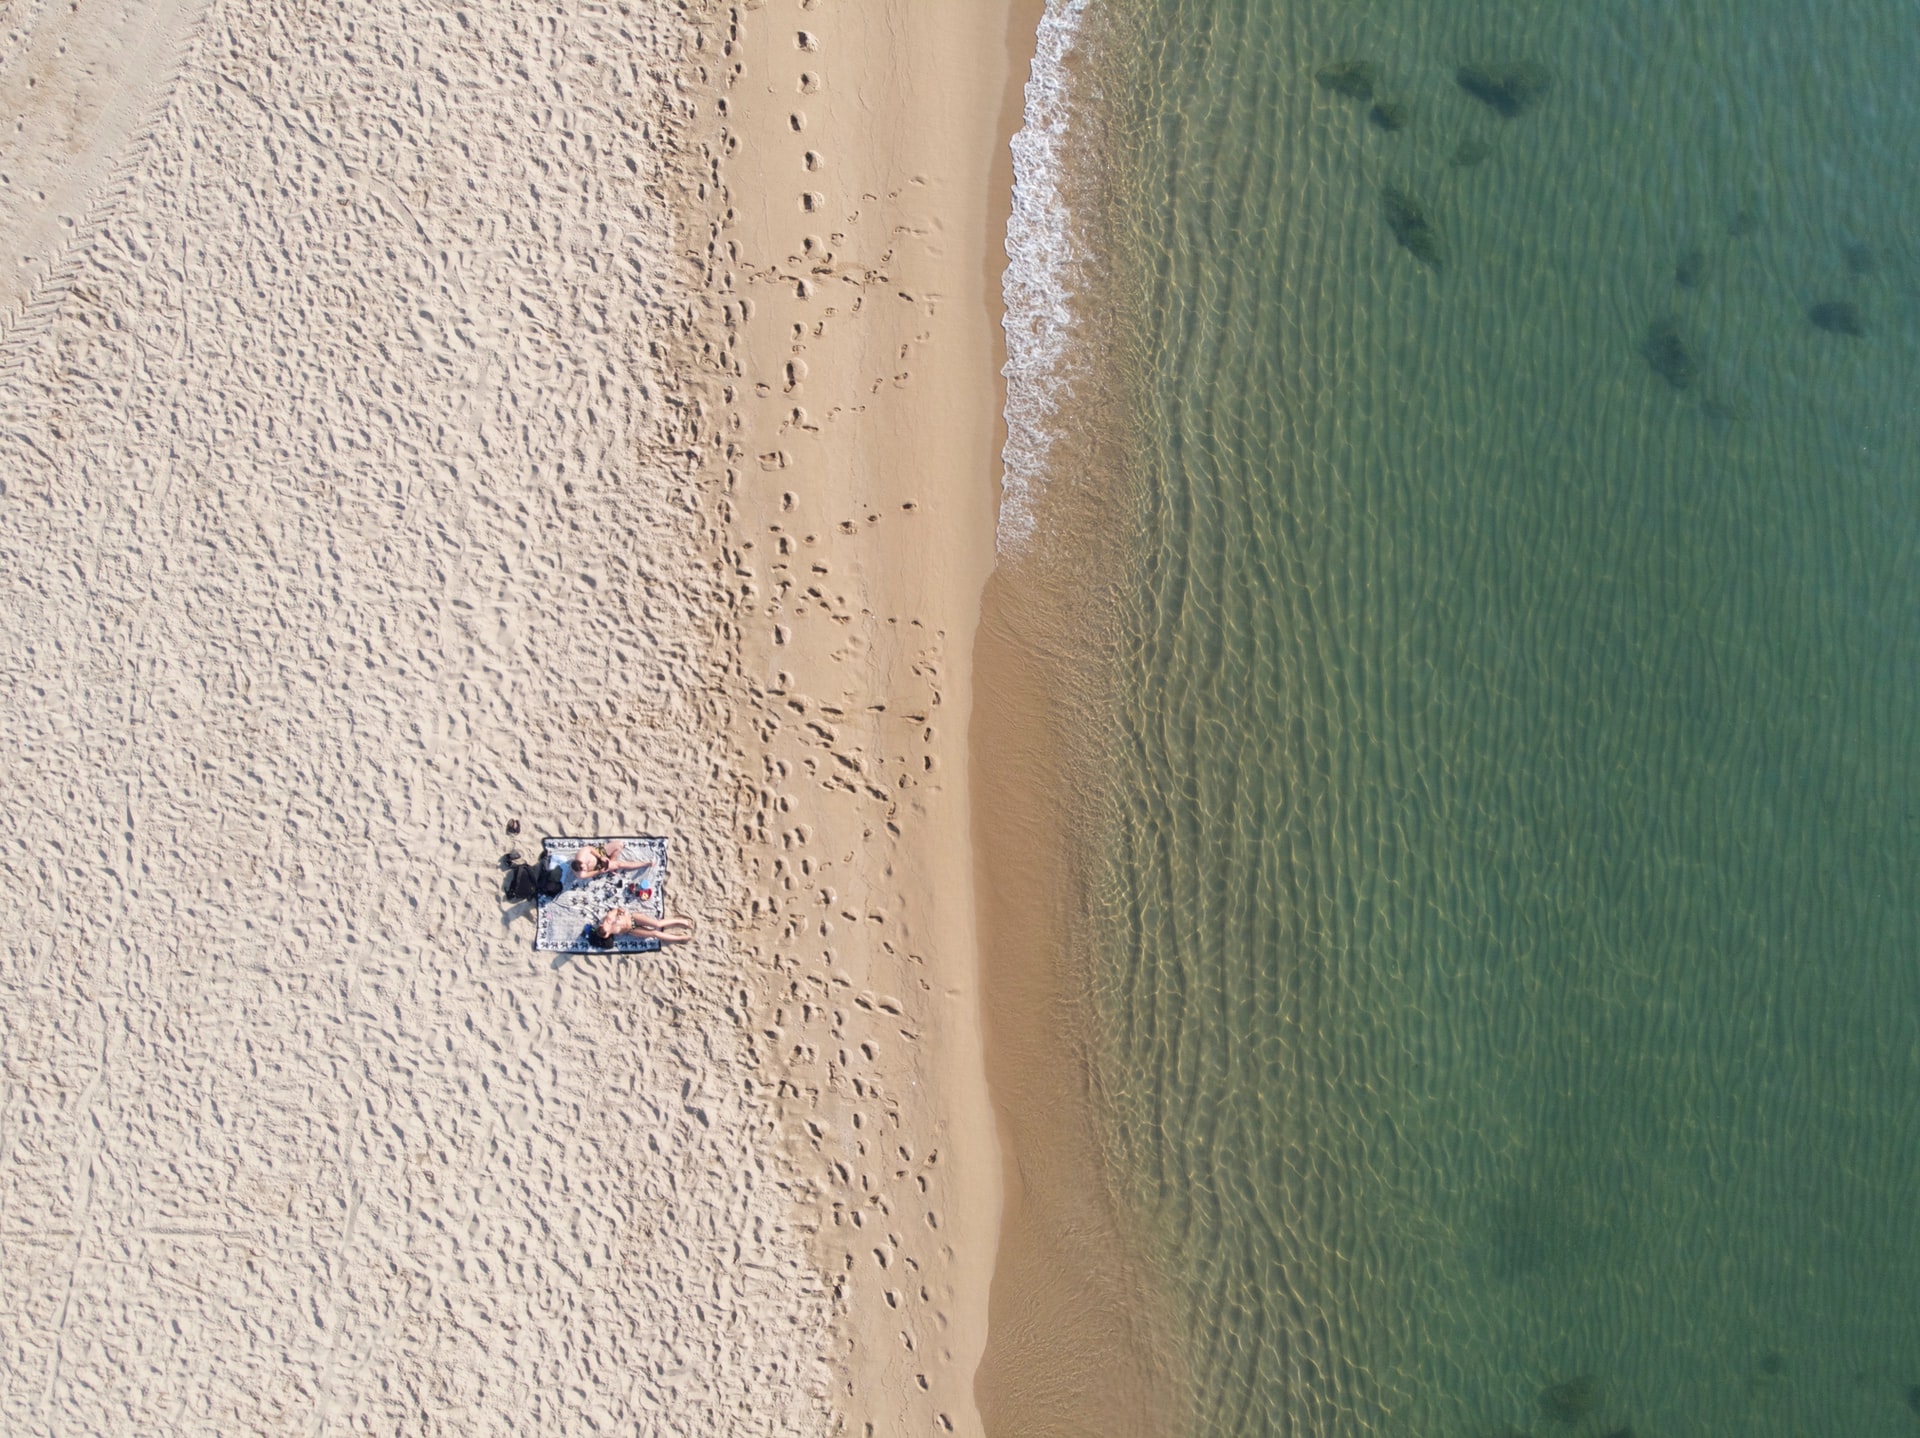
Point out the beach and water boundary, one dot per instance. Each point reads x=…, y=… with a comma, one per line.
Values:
x=587, y=416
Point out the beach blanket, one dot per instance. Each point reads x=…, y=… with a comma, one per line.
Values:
x=564, y=919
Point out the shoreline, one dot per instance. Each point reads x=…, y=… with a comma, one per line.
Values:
x=1084, y=1332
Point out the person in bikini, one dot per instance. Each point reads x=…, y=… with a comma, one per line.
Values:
x=619, y=922
x=592, y=859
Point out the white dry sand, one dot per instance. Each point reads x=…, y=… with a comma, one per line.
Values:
x=349, y=504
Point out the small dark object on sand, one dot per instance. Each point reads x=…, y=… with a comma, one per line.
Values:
x=1668, y=354
x=1411, y=227
x=1687, y=273
x=1570, y=1401
x=1913, y=1398
x=1352, y=78
x=1509, y=90
x=526, y=882
x=1745, y=221
x=1625, y=1432
x=1837, y=317
x=1858, y=256
x=1389, y=115
x=513, y=826
x=1469, y=152
x=1773, y=1364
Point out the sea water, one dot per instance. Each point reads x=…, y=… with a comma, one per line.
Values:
x=1506, y=922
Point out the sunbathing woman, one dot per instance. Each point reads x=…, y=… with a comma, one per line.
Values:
x=594, y=859
x=618, y=922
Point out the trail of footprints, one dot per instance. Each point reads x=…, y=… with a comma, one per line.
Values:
x=825, y=1040
x=816, y=264
x=834, y=778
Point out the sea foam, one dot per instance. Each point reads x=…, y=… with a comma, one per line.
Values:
x=1045, y=265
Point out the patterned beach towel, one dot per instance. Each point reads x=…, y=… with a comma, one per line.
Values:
x=564, y=919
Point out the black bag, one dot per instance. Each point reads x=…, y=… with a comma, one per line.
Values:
x=529, y=881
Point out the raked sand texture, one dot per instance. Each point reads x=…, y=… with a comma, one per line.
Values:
x=349, y=505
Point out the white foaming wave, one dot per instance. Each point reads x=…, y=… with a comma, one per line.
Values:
x=1044, y=269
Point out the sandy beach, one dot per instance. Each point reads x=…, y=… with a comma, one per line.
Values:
x=851, y=254
x=412, y=421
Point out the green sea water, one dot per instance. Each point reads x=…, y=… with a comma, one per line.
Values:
x=1508, y=940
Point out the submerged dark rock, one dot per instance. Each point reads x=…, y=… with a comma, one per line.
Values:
x=1353, y=79
x=1838, y=317
x=1859, y=257
x=1690, y=269
x=1509, y=90
x=1913, y=1398
x=1666, y=351
x=1470, y=152
x=1411, y=227
x=1389, y=115
x=1773, y=1364
x=1570, y=1401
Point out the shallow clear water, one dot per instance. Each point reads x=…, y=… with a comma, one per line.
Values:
x=1510, y=945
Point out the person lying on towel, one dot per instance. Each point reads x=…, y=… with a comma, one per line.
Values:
x=617, y=923
x=605, y=859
